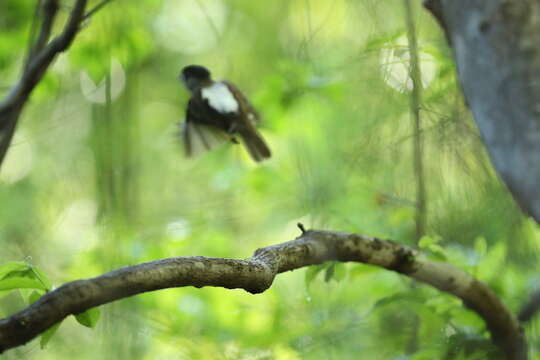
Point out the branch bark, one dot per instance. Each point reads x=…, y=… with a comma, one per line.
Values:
x=256, y=274
x=495, y=45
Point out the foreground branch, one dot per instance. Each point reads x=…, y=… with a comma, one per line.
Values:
x=255, y=275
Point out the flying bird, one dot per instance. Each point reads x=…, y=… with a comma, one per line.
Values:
x=216, y=113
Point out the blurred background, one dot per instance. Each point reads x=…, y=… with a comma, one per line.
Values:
x=96, y=179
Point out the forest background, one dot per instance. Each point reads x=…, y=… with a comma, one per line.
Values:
x=96, y=179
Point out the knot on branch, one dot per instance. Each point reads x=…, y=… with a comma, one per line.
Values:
x=404, y=261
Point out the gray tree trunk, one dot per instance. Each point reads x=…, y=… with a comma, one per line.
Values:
x=496, y=45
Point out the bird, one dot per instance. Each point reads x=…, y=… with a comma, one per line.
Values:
x=218, y=112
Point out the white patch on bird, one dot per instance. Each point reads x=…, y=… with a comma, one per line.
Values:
x=251, y=117
x=220, y=98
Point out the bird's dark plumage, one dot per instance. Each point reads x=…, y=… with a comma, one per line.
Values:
x=197, y=71
x=216, y=112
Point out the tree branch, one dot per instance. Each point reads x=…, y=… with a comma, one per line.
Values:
x=41, y=57
x=256, y=274
x=498, y=61
x=50, y=9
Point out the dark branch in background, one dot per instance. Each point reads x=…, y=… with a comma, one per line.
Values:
x=49, y=9
x=41, y=55
x=530, y=308
x=495, y=45
x=256, y=274
x=32, y=33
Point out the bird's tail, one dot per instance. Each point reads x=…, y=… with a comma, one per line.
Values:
x=254, y=143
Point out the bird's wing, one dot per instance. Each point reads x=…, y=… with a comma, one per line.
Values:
x=245, y=106
x=246, y=121
x=200, y=138
x=202, y=131
x=199, y=112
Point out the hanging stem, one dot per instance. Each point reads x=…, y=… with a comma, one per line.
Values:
x=415, y=98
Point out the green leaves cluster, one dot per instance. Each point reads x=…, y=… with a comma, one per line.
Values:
x=33, y=283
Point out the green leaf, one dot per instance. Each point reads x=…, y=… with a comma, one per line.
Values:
x=312, y=272
x=19, y=275
x=430, y=245
x=329, y=273
x=24, y=273
x=442, y=305
x=4, y=293
x=9, y=267
x=360, y=270
x=40, y=275
x=437, y=253
x=34, y=296
x=47, y=335
x=426, y=241
x=89, y=318
x=21, y=283
x=340, y=271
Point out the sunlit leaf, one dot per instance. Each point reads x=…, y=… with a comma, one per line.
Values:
x=329, y=273
x=47, y=335
x=34, y=296
x=312, y=272
x=42, y=277
x=89, y=318
x=12, y=266
x=17, y=282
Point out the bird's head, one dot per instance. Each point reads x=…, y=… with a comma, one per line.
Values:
x=195, y=76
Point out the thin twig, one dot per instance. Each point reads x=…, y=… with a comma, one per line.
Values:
x=50, y=9
x=32, y=33
x=95, y=9
x=415, y=100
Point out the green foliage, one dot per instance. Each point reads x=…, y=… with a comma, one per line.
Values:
x=96, y=180
x=430, y=245
x=89, y=318
x=332, y=271
x=20, y=275
x=47, y=335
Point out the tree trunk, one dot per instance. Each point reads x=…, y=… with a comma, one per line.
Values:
x=496, y=45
